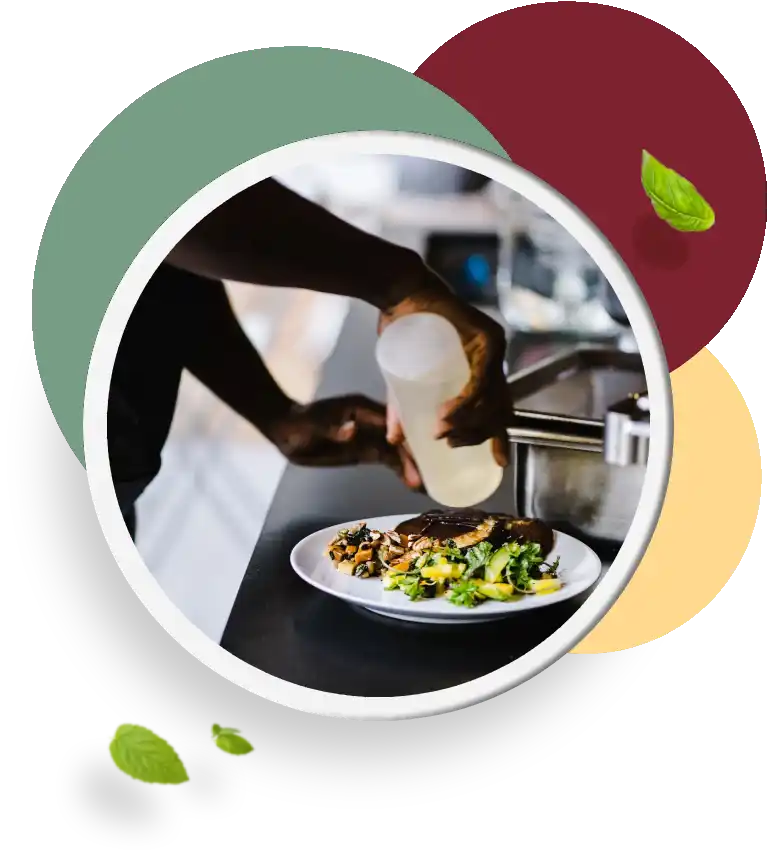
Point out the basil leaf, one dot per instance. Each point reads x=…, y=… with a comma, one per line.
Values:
x=144, y=756
x=231, y=741
x=223, y=730
x=233, y=744
x=675, y=200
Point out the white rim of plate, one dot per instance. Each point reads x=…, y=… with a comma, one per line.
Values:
x=138, y=575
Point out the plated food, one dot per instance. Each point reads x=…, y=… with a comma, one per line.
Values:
x=313, y=560
x=464, y=557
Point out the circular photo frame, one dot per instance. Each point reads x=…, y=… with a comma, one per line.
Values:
x=97, y=454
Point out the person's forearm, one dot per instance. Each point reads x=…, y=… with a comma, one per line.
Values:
x=269, y=235
x=218, y=352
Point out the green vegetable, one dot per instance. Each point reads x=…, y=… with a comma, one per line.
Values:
x=412, y=587
x=146, y=757
x=452, y=551
x=501, y=592
x=464, y=593
x=550, y=569
x=230, y=741
x=355, y=536
x=422, y=560
x=525, y=559
x=675, y=200
x=392, y=582
x=497, y=564
x=477, y=557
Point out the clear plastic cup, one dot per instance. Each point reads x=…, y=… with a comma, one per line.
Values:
x=424, y=366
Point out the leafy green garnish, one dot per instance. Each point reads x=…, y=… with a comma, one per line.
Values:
x=477, y=557
x=393, y=582
x=551, y=569
x=411, y=585
x=421, y=561
x=230, y=741
x=356, y=536
x=675, y=199
x=146, y=757
x=464, y=593
x=523, y=565
x=451, y=551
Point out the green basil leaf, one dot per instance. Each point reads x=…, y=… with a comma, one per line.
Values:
x=675, y=200
x=233, y=744
x=231, y=741
x=144, y=756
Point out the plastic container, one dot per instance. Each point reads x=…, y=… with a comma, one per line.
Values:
x=424, y=366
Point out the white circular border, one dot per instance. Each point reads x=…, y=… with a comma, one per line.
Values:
x=140, y=578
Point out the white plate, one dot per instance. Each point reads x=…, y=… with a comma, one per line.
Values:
x=579, y=570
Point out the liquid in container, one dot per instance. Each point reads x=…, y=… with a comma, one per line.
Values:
x=424, y=366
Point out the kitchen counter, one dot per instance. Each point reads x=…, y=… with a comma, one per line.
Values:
x=290, y=630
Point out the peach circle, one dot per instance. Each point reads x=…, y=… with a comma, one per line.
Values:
x=715, y=482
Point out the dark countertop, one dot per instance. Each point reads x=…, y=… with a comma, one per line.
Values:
x=288, y=629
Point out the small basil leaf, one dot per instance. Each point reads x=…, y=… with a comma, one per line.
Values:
x=675, y=200
x=233, y=744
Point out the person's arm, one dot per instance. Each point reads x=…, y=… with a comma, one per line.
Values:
x=217, y=351
x=270, y=235
x=336, y=431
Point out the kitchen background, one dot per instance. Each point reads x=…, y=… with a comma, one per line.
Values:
x=199, y=520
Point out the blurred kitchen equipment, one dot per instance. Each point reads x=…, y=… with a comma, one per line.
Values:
x=467, y=262
x=418, y=176
x=579, y=438
x=626, y=338
x=566, y=258
x=424, y=366
x=546, y=280
x=626, y=434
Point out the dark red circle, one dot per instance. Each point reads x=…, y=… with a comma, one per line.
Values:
x=574, y=92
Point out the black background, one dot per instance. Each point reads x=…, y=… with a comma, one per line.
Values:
x=84, y=625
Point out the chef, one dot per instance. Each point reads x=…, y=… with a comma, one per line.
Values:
x=269, y=235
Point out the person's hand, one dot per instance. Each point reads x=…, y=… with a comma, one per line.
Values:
x=481, y=411
x=342, y=431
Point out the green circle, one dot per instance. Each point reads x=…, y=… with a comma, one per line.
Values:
x=178, y=138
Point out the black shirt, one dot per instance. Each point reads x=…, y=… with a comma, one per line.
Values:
x=145, y=382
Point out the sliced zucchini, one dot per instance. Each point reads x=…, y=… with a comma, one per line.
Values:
x=498, y=562
x=500, y=591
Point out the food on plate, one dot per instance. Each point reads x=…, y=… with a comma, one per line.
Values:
x=467, y=557
x=473, y=526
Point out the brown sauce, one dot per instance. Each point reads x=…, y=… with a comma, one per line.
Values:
x=442, y=525
x=448, y=525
